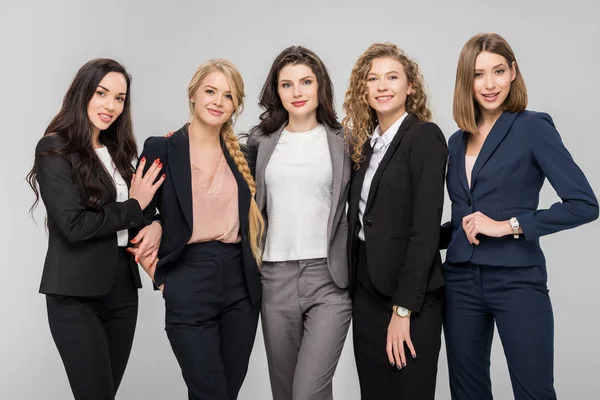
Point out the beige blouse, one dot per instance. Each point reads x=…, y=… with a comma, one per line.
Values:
x=469, y=164
x=215, y=205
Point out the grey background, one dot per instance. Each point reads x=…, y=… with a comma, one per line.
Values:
x=43, y=43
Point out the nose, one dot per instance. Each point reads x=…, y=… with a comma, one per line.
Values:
x=218, y=101
x=489, y=82
x=382, y=86
x=110, y=104
x=297, y=91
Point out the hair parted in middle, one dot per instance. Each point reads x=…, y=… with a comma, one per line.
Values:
x=256, y=222
x=275, y=115
x=465, y=108
x=361, y=119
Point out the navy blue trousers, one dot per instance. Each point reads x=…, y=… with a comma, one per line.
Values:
x=517, y=301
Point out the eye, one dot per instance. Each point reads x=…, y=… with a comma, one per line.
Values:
x=286, y=85
x=371, y=79
x=228, y=96
x=101, y=93
x=209, y=91
x=478, y=74
x=393, y=77
x=500, y=71
x=120, y=99
x=307, y=82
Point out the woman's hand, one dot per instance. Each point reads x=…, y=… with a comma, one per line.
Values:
x=398, y=334
x=142, y=186
x=147, y=240
x=479, y=223
x=148, y=263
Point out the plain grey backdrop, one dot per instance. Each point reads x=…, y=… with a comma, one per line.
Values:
x=43, y=43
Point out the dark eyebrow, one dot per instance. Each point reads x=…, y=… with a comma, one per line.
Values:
x=121, y=94
x=306, y=77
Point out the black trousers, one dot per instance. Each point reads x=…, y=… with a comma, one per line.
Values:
x=371, y=317
x=210, y=320
x=94, y=335
x=516, y=300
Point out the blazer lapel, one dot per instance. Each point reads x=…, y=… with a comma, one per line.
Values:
x=406, y=124
x=181, y=171
x=494, y=138
x=337, y=152
x=265, y=150
x=460, y=163
x=356, y=184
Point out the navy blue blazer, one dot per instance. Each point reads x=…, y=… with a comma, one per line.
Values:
x=520, y=152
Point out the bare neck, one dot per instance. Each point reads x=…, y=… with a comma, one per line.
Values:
x=302, y=124
x=203, y=136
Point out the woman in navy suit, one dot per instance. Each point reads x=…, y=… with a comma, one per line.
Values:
x=495, y=270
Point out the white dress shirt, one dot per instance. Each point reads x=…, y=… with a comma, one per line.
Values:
x=380, y=144
x=121, y=186
x=299, y=186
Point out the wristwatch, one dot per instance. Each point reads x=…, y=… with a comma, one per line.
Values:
x=514, y=224
x=401, y=311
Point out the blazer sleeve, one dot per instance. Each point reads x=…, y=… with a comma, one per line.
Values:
x=579, y=204
x=154, y=147
x=428, y=155
x=64, y=202
x=251, y=151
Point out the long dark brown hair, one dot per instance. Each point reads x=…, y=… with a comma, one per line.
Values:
x=74, y=129
x=275, y=114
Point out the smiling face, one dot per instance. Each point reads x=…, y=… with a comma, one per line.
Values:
x=213, y=100
x=298, y=89
x=492, y=81
x=387, y=88
x=108, y=101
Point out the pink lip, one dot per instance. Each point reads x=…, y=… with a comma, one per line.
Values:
x=214, y=112
x=490, y=99
x=105, y=117
x=299, y=103
x=388, y=98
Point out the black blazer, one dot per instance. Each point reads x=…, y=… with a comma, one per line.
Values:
x=402, y=215
x=82, y=256
x=174, y=202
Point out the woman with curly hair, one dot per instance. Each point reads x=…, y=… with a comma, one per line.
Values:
x=210, y=247
x=395, y=207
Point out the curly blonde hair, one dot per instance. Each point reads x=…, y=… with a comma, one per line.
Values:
x=255, y=219
x=361, y=119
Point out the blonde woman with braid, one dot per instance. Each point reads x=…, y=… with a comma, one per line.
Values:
x=395, y=207
x=207, y=268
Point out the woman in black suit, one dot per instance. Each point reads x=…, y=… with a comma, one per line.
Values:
x=83, y=166
x=395, y=207
x=207, y=267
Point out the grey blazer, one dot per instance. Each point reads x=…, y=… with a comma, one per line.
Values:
x=262, y=147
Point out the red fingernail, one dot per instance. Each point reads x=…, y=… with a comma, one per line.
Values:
x=127, y=249
x=157, y=161
x=143, y=159
x=160, y=165
x=133, y=240
x=163, y=176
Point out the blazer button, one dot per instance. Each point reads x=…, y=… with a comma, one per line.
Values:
x=368, y=223
x=132, y=224
x=469, y=202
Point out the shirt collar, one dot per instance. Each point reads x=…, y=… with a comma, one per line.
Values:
x=389, y=134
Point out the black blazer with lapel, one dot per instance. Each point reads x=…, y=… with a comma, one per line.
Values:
x=173, y=200
x=82, y=256
x=402, y=214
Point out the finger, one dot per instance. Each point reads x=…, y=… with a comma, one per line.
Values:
x=140, y=168
x=402, y=353
x=152, y=171
x=389, y=351
x=396, y=348
x=411, y=347
x=159, y=182
x=469, y=217
x=149, y=250
x=162, y=287
x=139, y=236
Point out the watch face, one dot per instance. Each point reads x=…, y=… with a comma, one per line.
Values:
x=514, y=223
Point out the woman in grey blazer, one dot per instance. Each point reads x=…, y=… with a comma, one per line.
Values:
x=302, y=175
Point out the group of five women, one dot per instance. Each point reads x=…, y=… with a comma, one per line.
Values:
x=311, y=224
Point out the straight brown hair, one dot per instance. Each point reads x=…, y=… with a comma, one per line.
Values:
x=465, y=109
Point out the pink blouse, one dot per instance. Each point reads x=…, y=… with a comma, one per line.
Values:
x=215, y=205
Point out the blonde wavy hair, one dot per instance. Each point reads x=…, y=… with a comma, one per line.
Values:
x=255, y=219
x=361, y=119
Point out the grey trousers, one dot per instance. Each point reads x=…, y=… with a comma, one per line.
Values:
x=305, y=319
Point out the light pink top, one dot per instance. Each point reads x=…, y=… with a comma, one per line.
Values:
x=469, y=163
x=215, y=205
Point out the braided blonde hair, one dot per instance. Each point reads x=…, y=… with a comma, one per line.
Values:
x=255, y=218
x=361, y=119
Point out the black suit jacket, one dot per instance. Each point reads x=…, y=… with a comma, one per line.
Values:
x=402, y=215
x=174, y=203
x=82, y=256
